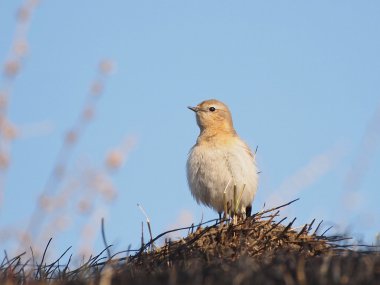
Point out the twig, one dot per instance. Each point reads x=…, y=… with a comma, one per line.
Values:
x=105, y=240
x=316, y=230
x=57, y=261
x=142, y=234
x=276, y=208
x=310, y=226
x=225, y=215
x=326, y=231
x=147, y=222
x=67, y=264
x=43, y=257
x=302, y=231
x=275, y=226
x=5, y=258
x=288, y=226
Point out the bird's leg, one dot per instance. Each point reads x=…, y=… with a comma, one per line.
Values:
x=227, y=212
x=248, y=210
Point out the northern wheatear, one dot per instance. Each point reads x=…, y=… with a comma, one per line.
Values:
x=220, y=161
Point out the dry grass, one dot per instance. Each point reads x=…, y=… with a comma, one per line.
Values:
x=258, y=249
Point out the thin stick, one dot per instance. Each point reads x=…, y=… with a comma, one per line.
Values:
x=105, y=240
x=43, y=257
x=57, y=261
x=326, y=231
x=315, y=232
x=142, y=235
x=302, y=231
x=225, y=205
x=276, y=208
x=310, y=226
x=147, y=222
x=288, y=226
x=67, y=265
x=225, y=199
x=240, y=196
x=235, y=207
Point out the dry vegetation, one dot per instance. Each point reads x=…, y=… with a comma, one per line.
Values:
x=257, y=250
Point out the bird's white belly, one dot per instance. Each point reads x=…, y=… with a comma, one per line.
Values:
x=211, y=169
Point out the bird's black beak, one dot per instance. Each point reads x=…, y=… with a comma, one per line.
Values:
x=194, y=109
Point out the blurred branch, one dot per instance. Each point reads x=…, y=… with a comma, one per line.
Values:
x=11, y=68
x=70, y=141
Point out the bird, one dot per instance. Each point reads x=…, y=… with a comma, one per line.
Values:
x=220, y=162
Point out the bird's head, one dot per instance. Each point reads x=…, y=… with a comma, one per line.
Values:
x=213, y=114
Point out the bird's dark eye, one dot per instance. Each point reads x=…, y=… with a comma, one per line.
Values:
x=212, y=109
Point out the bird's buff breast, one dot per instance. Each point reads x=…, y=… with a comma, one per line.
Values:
x=210, y=169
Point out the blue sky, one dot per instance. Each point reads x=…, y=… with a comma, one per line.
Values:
x=301, y=79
